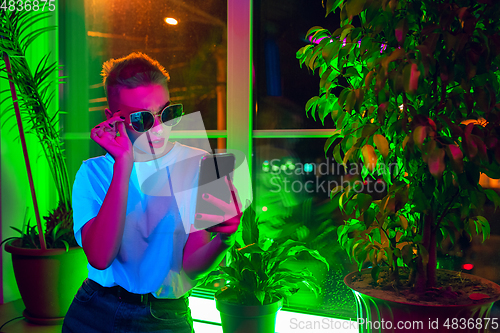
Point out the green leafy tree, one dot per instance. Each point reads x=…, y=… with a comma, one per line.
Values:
x=419, y=107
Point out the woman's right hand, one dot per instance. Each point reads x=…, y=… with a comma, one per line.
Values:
x=119, y=147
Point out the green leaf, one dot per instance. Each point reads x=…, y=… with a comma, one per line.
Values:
x=331, y=51
x=493, y=196
x=250, y=231
x=336, y=135
x=407, y=253
x=369, y=129
x=16, y=229
x=311, y=103
x=375, y=233
x=382, y=144
x=335, y=191
x=251, y=248
x=332, y=5
x=354, y=7
x=336, y=154
x=364, y=201
x=324, y=78
x=485, y=227
x=227, y=294
x=369, y=217
x=66, y=245
x=424, y=254
x=351, y=71
x=313, y=30
x=375, y=272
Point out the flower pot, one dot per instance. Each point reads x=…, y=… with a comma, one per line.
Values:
x=47, y=280
x=388, y=316
x=236, y=318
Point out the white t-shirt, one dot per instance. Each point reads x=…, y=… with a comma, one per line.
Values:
x=156, y=223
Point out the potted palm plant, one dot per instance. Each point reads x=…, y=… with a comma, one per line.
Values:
x=256, y=280
x=47, y=265
x=413, y=90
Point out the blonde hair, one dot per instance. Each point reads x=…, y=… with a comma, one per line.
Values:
x=136, y=69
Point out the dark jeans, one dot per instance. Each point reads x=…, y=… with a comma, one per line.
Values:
x=93, y=311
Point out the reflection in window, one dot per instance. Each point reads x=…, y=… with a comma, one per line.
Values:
x=293, y=181
x=193, y=50
x=282, y=87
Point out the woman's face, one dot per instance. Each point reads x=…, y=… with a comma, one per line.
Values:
x=153, y=98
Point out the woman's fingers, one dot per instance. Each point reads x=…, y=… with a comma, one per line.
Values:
x=224, y=229
x=221, y=204
x=96, y=133
x=228, y=226
x=121, y=129
x=112, y=126
x=234, y=195
x=209, y=218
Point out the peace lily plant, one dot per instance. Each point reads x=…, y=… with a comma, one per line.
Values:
x=255, y=273
x=413, y=90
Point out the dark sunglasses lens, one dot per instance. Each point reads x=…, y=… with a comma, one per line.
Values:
x=171, y=116
x=142, y=121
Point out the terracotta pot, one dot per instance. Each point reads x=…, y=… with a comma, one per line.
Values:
x=237, y=318
x=47, y=280
x=385, y=315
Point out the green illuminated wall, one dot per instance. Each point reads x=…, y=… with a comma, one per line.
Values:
x=74, y=95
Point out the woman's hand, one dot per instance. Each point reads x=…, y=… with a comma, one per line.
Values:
x=119, y=147
x=228, y=224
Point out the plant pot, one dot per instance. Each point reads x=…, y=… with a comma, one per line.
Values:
x=47, y=280
x=385, y=314
x=236, y=318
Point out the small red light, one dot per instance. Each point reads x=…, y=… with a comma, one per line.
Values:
x=468, y=266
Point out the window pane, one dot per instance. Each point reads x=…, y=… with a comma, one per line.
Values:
x=193, y=51
x=282, y=87
x=292, y=180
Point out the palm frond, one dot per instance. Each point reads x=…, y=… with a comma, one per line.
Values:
x=32, y=36
x=31, y=21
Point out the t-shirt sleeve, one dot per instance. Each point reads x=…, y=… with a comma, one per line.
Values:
x=85, y=201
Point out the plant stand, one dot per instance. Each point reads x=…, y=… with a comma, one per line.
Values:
x=48, y=280
x=237, y=318
x=385, y=314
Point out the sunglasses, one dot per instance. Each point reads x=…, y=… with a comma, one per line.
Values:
x=143, y=121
